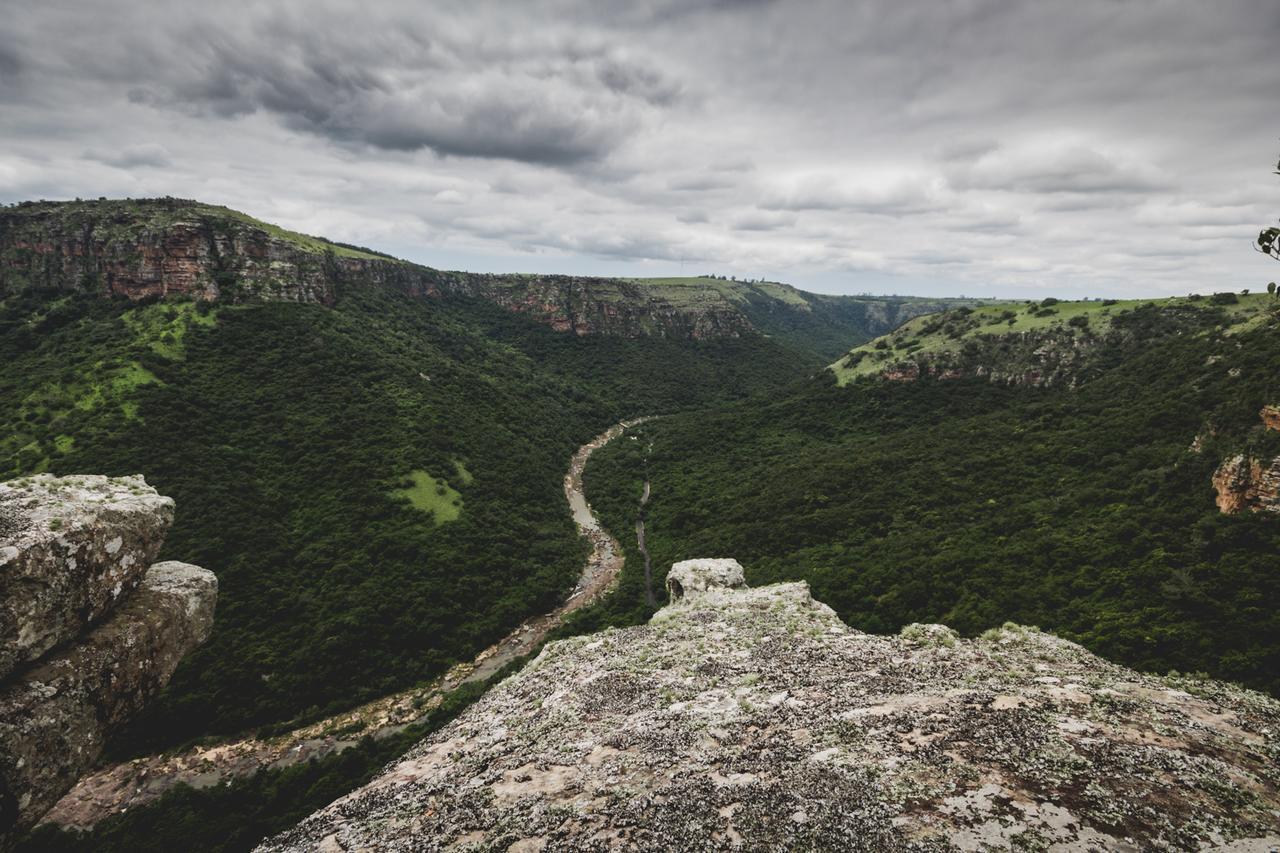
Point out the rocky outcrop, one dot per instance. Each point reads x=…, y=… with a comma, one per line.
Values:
x=1248, y=483
x=585, y=306
x=754, y=719
x=74, y=546
x=1039, y=358
x=1270, y=417
x=92, y=628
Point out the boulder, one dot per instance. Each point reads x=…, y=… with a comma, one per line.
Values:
x=693, y=577
x=70, y=548
x=55, y=715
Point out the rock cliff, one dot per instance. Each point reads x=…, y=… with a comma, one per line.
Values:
x=159, y=248
x=90, y=627
x=1248, y=483
x=754, y=719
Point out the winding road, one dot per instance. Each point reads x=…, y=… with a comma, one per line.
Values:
x=118, y=787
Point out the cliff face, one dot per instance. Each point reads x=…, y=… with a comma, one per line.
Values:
x=177, y=247
x=1248, y=482
x=586, y=306
x=164, y=247
x=754, y=719
x=90, y=628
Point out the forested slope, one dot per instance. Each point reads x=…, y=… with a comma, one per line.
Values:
x=377, y=485
x=972, y=502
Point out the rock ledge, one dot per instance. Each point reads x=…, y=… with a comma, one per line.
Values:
x=754, y=719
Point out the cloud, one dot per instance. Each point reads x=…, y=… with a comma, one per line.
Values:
x=1052, y=168
x=762, y=220
x=985, y=146
x=554, y=102
x=147, y=154
x=877, y=194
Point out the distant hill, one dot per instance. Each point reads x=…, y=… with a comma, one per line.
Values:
x=139, y=248
x=1040, y=342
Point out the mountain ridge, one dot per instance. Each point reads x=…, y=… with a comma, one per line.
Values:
x=168, y=247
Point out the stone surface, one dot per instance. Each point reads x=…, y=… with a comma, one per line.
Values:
x=54, y=716
x=693, y=577
x=754, y=719
x=1248, y=483
x=70, y=548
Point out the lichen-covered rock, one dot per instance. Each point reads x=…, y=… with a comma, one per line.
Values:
x=692, y=577
x=754, y=719
x=70, y=548
x=55, y=716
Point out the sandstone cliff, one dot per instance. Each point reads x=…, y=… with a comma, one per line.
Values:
x=168, y=247
x=90, y=627
x=754, y=719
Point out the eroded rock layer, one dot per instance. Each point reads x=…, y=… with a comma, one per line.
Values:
x=755, y=719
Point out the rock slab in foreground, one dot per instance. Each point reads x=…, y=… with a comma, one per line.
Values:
x=754, y=719
x=70, y=548
x=55, y=717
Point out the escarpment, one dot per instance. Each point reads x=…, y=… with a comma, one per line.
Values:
x=754, y=719
x=179, y=248
x=90, y=627
x=169, y=247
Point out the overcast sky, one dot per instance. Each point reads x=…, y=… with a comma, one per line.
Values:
x=1090, y=147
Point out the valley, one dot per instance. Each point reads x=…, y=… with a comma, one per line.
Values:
x=129, y=785
x=370, y=454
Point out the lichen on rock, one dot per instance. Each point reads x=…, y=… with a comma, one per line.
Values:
x=90, y=627
x=744, y=718
x=71, y=547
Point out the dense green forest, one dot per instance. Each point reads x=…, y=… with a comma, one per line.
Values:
x=293, y=438
x=969, y=503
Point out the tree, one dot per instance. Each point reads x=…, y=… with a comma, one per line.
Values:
x=1269, y=238
x=1271, y=288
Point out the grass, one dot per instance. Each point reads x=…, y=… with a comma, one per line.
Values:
x=303, y=241
x=163, y=327
x=433, y=495
x=923, y=335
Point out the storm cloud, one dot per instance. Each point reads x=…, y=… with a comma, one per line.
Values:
x=981, y=146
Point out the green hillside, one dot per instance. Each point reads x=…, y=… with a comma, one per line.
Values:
x=377, y=485
x=945, y=336
x=971, y=503
x=814, y=323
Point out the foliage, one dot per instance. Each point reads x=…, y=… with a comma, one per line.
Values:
x=970, y=504
x=283, y=432
x=237, y=815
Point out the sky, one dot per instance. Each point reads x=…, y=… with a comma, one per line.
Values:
x=1015, y=148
